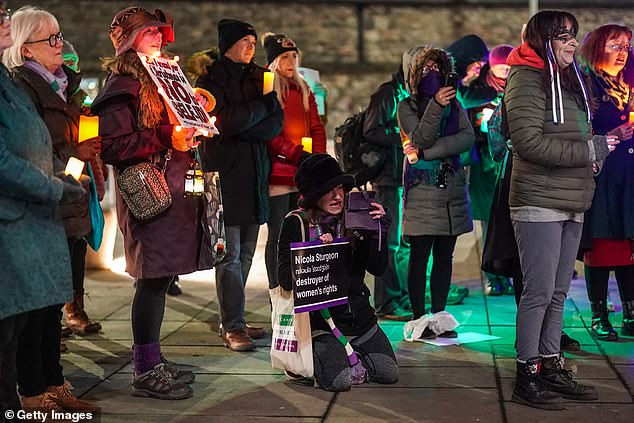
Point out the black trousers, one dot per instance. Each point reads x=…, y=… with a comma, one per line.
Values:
x=442, y=247
x=77, y=249
x=10, y=328
x=597, y=282
x=38, y=360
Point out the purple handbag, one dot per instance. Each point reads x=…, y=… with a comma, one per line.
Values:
x=357, y=212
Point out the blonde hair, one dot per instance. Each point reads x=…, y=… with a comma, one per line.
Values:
x=281, y=84
x=25, y=22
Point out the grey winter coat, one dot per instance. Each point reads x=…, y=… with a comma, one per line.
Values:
x=430, y=210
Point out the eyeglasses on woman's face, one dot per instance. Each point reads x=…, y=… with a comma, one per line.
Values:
x=5, y=16
x=429, y=67
x=53, y=41
x=617, y=48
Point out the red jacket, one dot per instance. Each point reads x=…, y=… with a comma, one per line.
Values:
x=286, y=148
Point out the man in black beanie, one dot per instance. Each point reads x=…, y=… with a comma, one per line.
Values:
x=247, y=121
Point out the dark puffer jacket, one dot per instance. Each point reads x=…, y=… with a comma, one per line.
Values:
x=551, y=162
x=247, y=121
x=62, y=119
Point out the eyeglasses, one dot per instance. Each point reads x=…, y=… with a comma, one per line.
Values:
x=433, y=66
x=5, y=16
x=617, y=48
x=53, y=40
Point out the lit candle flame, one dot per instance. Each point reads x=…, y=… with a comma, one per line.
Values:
x=178, y=128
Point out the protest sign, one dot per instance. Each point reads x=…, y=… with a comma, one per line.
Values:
x=178, y=94
x=320, y=274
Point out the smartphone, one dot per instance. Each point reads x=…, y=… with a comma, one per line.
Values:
x=451, y=80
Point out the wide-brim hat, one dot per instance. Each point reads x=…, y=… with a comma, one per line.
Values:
x=318, y=175
x=128, y=22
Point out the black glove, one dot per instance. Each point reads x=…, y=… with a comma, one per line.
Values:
x=601, y=150
x=270, y=102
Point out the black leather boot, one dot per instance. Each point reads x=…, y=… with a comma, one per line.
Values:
x=628, y=318
x=557, y=379
x=529, y=389
x=601, y=327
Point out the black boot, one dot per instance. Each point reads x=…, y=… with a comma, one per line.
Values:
x=569, y=344
x=557, y=379
x=529, y=389
x=601, y=327
x=628, y=318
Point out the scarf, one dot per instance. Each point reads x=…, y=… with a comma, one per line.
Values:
x=58, y=80
x=494, y=82
x=616, y=88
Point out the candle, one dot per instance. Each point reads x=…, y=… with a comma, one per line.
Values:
x=307, y=143
x=88, y=127
x=267, y=86
x=631, y=117
x=74, y=167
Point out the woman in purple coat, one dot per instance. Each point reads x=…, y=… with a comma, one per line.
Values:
x=135, y=127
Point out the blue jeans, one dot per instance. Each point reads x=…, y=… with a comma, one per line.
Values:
x=390, y=290
x=232, y=273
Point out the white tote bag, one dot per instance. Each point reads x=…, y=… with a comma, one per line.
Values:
x=291, y=344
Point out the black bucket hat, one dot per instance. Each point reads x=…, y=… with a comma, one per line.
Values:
x=317, y=175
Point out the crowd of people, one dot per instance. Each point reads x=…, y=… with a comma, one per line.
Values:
x=557, y=190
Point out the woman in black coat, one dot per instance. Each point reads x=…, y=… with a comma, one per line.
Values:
x=323, y=187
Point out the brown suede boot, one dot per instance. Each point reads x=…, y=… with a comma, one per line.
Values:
x=62, y=396
x=77, y=319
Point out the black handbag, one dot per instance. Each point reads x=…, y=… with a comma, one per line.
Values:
x=144, y=189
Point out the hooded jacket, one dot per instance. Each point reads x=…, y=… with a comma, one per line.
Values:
x=430, y=210
x=551, y=157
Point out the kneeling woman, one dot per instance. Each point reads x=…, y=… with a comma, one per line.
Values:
x=323, y=187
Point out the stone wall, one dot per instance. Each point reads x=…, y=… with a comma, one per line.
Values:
x=327, y=34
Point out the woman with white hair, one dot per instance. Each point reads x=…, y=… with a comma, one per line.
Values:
x=301, y=119
x=36, y=61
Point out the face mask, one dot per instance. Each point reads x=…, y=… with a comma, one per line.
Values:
x=430, y=84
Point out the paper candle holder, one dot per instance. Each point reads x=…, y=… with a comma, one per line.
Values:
x=88, y=127
x=74, y=167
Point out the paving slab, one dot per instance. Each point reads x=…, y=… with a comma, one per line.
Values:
x=444, y=377
x=219, y=395
x=574, y=412
x=218, y=360
x=436, y=405
x=419, y=354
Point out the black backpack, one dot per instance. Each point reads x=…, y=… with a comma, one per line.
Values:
x=355, y=154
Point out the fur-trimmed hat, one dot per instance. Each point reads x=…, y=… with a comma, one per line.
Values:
x=128, y=22
x=230, y=31
x=317, y=175
x=276, y=44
